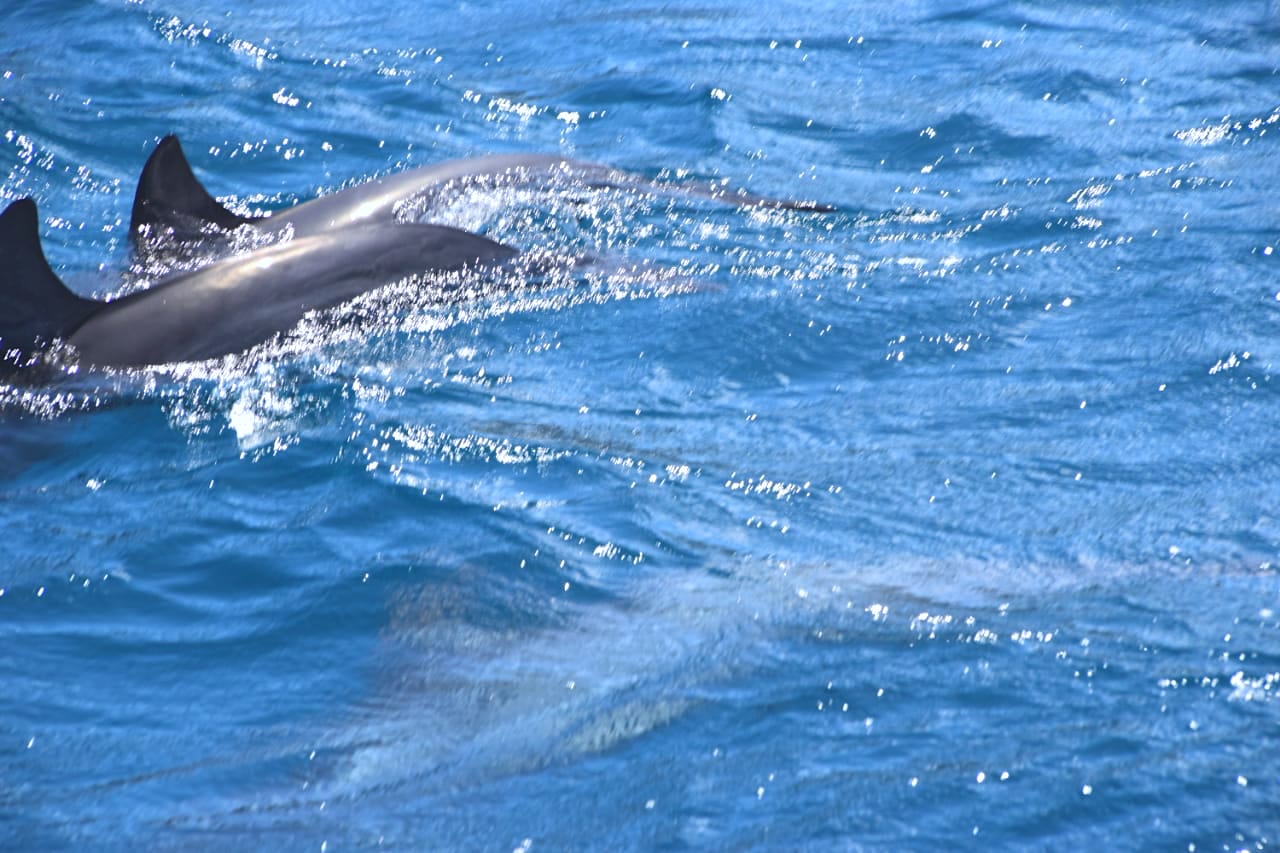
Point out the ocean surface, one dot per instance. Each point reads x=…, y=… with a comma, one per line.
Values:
x=950, y=519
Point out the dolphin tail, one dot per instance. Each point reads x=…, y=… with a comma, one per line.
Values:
x=169, y=195
x=35, y=306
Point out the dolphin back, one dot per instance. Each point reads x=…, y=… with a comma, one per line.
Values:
x=169, y=195
x=232, y=305
x=35, y=306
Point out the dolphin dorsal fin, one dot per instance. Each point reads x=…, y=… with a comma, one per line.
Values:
x=169, y=195
x=35, y=306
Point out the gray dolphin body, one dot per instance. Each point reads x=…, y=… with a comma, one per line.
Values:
x=223, y=308
x=170, y=197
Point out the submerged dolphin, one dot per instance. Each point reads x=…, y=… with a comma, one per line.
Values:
x=170, y=196
x=223, y=308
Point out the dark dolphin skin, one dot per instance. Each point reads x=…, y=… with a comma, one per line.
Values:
x=223, y=308
x=170, y=197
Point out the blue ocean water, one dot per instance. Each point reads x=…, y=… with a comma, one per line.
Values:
x=949, y=519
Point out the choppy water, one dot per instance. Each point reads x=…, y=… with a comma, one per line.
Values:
x=946, y=520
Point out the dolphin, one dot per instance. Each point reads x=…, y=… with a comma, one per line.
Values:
x=170, y=197
x=223, y=308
